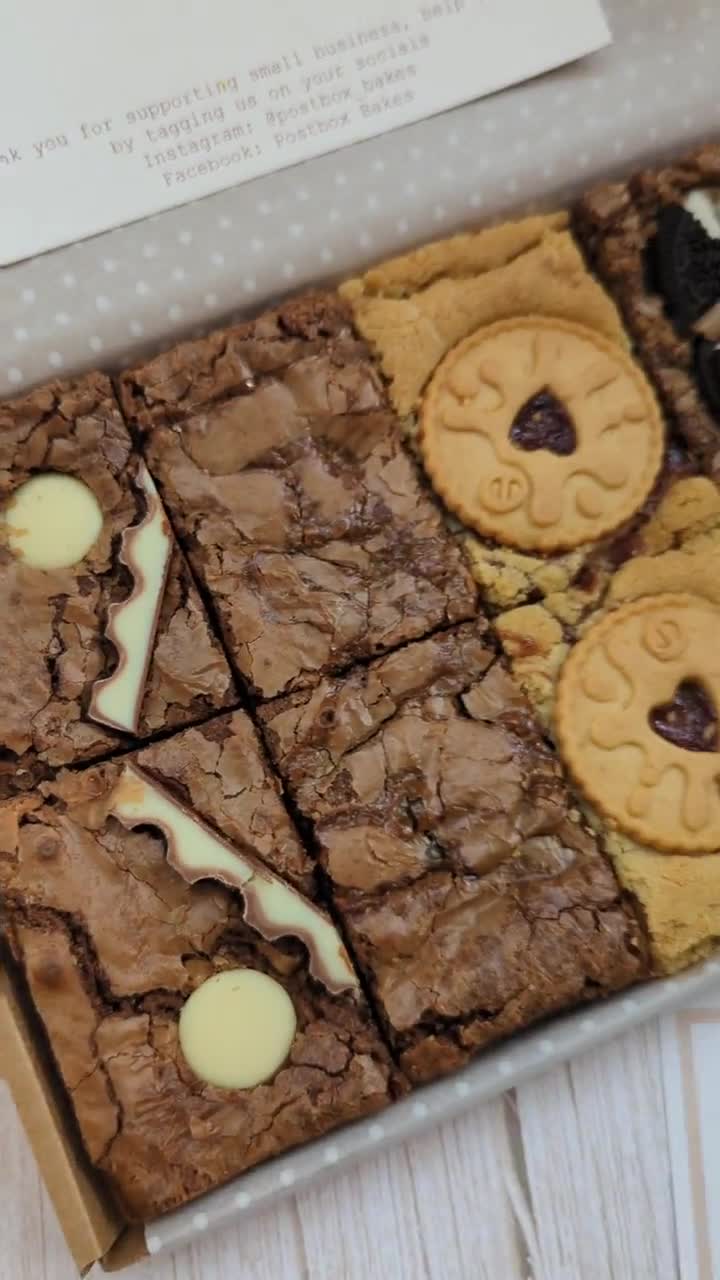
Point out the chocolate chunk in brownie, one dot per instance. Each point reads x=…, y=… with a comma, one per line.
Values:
x=475, y=900
x=646, y=239
x=53, y=621
x=282, y=467
x=113, y=941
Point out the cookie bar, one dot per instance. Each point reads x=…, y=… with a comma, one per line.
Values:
x=655, y=242
x=417, y=310
x=527, y=343
x=91, y=662
x=675, y=561
x=279, y=460
x=474, y=898
x=200, y=1007
x=540, y=433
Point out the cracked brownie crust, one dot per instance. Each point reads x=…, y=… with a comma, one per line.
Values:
x=281, y=465
x=474, y=899
x=52, y=622
x=110, y=998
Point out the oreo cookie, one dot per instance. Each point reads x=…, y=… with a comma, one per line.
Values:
x=687, y=262
x=707, y=364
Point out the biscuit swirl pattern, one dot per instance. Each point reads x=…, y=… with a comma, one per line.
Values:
x=627, y=666
x=538, y=498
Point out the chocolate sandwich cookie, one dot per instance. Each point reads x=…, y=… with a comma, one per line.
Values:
x=655, y=241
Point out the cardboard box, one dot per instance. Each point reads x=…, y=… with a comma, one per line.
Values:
x=90, y=1222
x=107, y=300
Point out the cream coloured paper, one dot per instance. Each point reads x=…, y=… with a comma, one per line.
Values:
x=112, y=111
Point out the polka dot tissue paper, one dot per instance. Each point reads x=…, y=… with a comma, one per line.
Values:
x=105, y=300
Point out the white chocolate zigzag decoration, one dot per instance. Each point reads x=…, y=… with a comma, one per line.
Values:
x=145, y=550
x=197, y=852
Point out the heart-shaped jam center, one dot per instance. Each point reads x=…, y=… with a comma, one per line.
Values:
x=543, y=422
x=689, y=720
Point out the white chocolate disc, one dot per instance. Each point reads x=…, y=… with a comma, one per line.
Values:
x=52, y=521
x=237, y=1028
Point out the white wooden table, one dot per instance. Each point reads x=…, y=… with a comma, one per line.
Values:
x=565, y=1179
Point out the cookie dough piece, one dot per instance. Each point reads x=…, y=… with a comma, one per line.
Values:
x=475, y=900
x=471, y=253
x=303, y=515
x=679, y=895
x=665, y=295
x=67, y=458
x=414, y=309
x=113, y=942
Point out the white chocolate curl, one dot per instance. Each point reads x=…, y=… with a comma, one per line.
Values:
x=145, y=550
x=197, y=852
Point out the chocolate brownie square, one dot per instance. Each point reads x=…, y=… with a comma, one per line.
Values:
x=655, y=242
x=474, y=898
x=282, y=468
x=73, y=492
x=119, y=932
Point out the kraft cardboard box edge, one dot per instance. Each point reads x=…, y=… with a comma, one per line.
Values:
x=92, y=1227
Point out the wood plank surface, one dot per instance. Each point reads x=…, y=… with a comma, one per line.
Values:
x=566, y=1178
